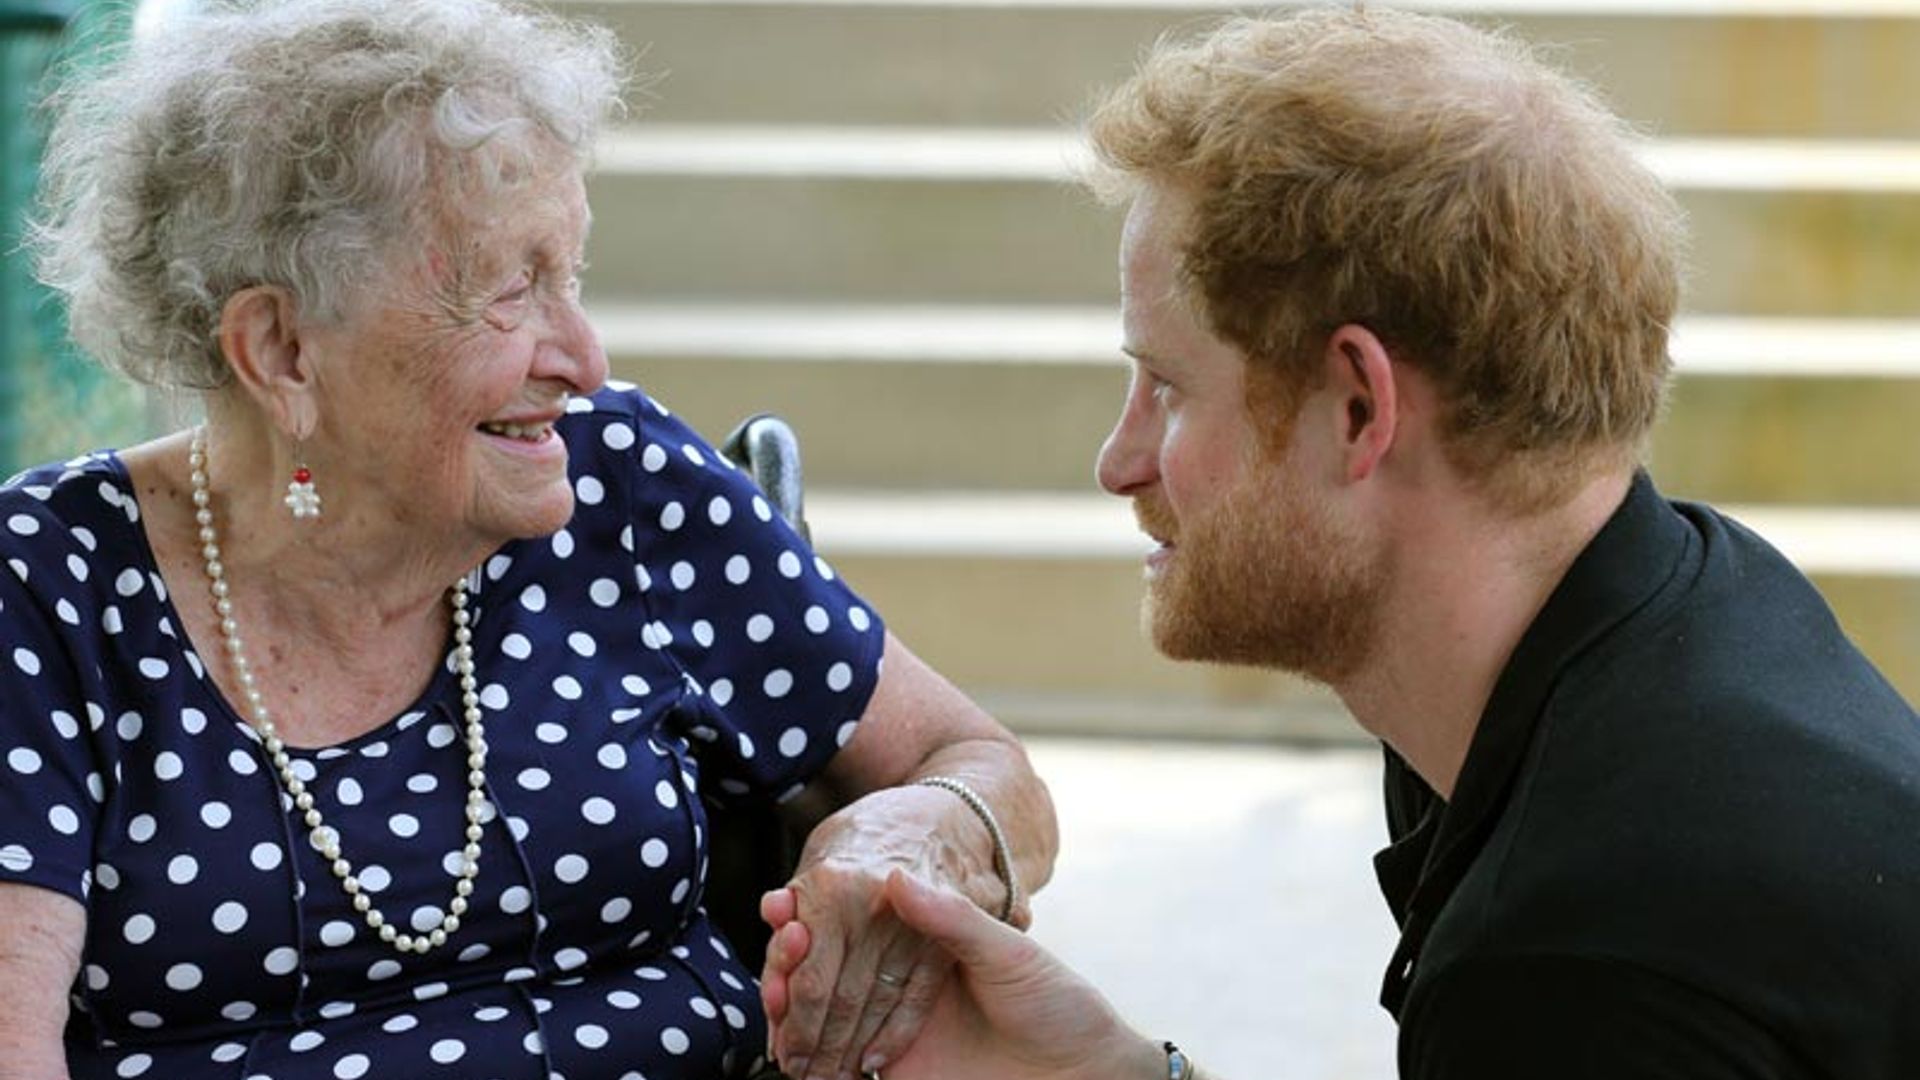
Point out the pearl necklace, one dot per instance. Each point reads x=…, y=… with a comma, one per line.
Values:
x=325, y=839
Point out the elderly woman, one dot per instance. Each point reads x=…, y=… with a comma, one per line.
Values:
x=367, y=728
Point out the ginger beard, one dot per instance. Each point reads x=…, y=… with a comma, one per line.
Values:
x=1263, y=579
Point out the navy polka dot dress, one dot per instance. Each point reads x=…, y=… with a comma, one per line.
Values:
x=674, y=642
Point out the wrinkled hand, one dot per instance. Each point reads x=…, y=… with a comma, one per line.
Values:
x=857, y=991
x=1013, y=1013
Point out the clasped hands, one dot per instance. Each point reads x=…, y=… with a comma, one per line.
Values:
x=884, y=957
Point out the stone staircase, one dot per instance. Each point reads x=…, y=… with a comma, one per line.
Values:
x=859, y=214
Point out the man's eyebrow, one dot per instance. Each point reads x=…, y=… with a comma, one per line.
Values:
x=1145, y=358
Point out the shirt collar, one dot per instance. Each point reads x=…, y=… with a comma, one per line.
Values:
x=1626, y=563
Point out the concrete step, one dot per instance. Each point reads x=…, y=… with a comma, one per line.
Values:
x=1031, y=601
x=988, y=398
x=1748, y=67
x=983, y=216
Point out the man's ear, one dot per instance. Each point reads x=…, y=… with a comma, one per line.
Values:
x=1359, y=371
x=261, y=339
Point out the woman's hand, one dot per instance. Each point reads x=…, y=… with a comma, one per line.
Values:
x=853, y=998
x=1012, y=1011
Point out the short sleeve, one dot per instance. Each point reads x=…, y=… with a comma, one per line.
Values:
x=50, y=789
x=781, y=656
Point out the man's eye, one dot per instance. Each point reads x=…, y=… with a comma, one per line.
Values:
x=521, y=288
x=1160, y=388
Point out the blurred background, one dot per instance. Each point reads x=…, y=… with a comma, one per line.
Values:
x=859, y=214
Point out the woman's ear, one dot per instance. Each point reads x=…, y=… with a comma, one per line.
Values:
x=1361, y=373
x=261, y=339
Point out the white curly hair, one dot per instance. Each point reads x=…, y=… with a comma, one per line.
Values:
x=295, y=143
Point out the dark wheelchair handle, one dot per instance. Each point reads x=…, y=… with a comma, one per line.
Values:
x=769, y=451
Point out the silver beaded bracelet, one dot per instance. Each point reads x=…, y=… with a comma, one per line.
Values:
x=1002, y=854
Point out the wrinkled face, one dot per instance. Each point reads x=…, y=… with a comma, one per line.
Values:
x=438, y=398
x=1251, y=566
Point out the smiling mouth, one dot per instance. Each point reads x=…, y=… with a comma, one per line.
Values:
x=528, y=433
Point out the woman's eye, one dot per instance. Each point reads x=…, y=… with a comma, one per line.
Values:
x=1160, y=388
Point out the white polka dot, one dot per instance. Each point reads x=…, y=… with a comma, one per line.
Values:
x=682, y=575
x=422, y=783
x=15, y=858
x=497, y=567
x=624, y=999
x=616, y=910
x=129, y=582
x=22, y=525
x=735, y=1018
x=590, y=1036
x=653, y=459
x=243, y=762
x=23, y=760
x=817, y=620
x=777, y=683
x=858, y=618
x=721, y=691
x=374, y=878
x=400, y=1024
x=490, y=1014
x=702, y=1008
x=429, y=991
x=133, y=1064
x=617, y=436
x=167, y=765
x=533, y=598
x=703, y=633
x=672, y=516
x=26, y=660
x=550, y=733
x=515, y=899
x=759, y=628
x=144, y=1019
x=447, y=1051
x=183, y=977
x=334, y=1010
x=788, y=565
x=239, y=1011
x=155, y=668
x=493, y=696
x=305, y=1041
x=534, y=779
x=675, y=1041
x=129, y=726
x=63, y=820
x=110, y=620
x=719, y=511
x=265, y=856
x=183, y=869
x=597, y=810
x=571, y=869
x=693, y=453
x=281, y=961
x=404, y=826
x=351, y=1067
x=216, y=815
x=567, y=687
x=613, y=756
x=666, y=795
x=569, y=959
x=582, y=644
x=141, y=828
x=516, y=646
x=562, y=543
x=844, y=733
x=76, y=566
x=746, y=746
x=65, y=724
x=336, y=933
x=839, y=676
x=383, y=969
x=654, y=853
x=793, y=742
x=604, y=592
x=138, y=930
x=230, y=917
x=425, y=918
x=590, y=490
x=348, y=792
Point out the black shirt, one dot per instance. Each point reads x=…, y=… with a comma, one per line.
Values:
x=1685, y=841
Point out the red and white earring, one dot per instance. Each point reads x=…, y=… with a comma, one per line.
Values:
x=301, y=498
